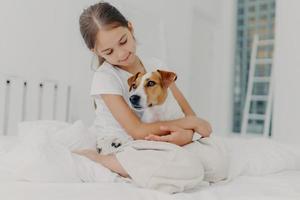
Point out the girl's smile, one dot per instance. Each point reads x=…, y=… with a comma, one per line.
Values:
x=126, y=58
x=116, y=45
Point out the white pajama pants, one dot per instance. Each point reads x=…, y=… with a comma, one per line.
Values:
x=169, y=168
x=214, y=156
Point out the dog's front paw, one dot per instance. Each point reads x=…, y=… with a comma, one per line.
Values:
x=109, y=144
x=99, y=149
x=116, y=144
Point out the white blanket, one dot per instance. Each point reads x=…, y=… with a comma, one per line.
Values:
x=43, y=154
x=260, y=156
x=279, y=186
x=162, y=166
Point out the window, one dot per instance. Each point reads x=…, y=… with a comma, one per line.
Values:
x=263, y=7
x=251, y=9
x=240, y=11
x=253, y=17
x=240, y=22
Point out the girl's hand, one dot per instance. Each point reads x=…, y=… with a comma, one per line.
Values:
x=202, y=126
x=89, y=153
x=177, y=135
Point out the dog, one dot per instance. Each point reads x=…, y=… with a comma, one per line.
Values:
x=149, y=94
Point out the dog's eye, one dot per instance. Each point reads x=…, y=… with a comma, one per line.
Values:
x=134, y=86
x=150, y=83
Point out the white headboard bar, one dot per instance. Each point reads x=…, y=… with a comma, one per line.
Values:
x=22, y=99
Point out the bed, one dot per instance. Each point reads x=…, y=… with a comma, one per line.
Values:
x=283, y=185
x=260, y=168
x=24, y=99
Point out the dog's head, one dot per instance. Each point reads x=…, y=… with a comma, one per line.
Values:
x=150, y=89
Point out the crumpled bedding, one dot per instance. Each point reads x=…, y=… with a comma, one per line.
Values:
x=42, y=153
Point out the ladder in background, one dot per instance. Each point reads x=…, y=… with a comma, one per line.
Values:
x=252, y=80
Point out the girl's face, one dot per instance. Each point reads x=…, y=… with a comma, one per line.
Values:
x=117, y=46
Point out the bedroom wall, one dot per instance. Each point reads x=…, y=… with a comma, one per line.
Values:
x=41, y=39
x=287, y=71
x=212, y=62
x=35, y=38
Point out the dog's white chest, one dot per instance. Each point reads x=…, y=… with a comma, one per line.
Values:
x=169, y=110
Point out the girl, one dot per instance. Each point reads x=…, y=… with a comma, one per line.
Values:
x=110, y=37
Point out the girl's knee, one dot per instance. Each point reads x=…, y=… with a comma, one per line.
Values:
x=214, y=157
x=217, y=170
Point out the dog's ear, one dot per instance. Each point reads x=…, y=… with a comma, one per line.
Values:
x=131, y=80
x=167, y=77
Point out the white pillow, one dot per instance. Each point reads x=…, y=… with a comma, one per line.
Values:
x=39, y=158
x=76, y=136
x=73, y=136
x=40, y=127
x=7, y=143
x=261, y=156
x=44, y=155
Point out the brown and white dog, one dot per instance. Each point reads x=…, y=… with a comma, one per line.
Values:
x=150, y=95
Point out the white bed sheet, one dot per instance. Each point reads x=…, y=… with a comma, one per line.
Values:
x=284, y=185
x=279, y=186
x=251, y=162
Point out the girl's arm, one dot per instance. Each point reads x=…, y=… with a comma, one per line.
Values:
x=185, y=106
x=135, y=127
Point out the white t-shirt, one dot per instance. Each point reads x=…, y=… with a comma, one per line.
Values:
x=109, y=79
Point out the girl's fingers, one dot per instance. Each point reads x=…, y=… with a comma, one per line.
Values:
x=147, y=137
x=165, y=138
x=152, y=137
x=155, y=138
x=164, y=128
x=169, y=128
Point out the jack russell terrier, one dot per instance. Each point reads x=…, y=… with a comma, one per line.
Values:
x=149, y=94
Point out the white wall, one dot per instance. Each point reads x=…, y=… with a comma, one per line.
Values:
x=212, y=62
x=33, y=38
x=41, y=39
x=287, y=71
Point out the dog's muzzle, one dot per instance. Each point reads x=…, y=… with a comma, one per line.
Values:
x=135, y=101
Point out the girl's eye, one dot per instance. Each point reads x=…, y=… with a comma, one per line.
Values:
x=150, y=83
x=123, y=42
x=110, y=52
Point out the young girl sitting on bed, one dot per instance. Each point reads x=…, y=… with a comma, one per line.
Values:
x=110, y=37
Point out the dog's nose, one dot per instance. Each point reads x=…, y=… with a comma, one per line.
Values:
x=134, y=99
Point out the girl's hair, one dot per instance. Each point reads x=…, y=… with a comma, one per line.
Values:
x=100, y=15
